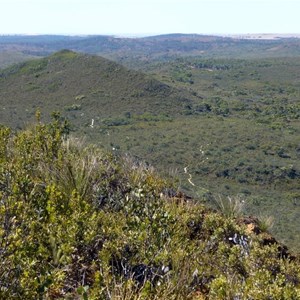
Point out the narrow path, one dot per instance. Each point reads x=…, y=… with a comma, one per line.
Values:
x=190, y=176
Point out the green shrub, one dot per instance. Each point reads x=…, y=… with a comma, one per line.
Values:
x=80, y=223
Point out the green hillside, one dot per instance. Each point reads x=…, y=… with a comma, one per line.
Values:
x=8, y=58
x=221, y=126
x=83, y=88
x=78, y=222
x=242, y=137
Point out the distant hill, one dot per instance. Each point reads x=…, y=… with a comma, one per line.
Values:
x=8, y=57
x=83, y=87
x=134, y=51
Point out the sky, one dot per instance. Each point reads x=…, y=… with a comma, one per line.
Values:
x=148, y=17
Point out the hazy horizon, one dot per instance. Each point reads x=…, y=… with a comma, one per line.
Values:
x=145, y=17
x=141, y=35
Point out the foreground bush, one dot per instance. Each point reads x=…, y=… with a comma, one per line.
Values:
x=78, y=223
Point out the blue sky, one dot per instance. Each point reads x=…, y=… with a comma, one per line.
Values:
x=144, y=17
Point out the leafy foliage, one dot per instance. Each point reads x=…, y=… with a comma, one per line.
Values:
x=77, y=222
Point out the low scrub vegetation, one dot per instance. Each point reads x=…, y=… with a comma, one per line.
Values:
x=236, y=127
x=81, y=223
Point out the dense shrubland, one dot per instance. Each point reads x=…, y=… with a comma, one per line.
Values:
x=234, y=123
x=80, y=223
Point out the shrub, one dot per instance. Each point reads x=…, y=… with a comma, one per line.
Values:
x=77, y=222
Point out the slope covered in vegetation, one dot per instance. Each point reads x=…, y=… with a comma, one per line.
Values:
x=232, y=124
x=83, y=87
x=81, y=223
